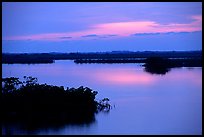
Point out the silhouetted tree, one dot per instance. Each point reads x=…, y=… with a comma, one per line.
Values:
x=157, y=65
x=47, y=103
x=10, y=84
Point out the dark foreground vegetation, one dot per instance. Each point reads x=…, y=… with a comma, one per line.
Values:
x=99, y=57
x=40, y=105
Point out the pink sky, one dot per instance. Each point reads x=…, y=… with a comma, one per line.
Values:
x=121, y=29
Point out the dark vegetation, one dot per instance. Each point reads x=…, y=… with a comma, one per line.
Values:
x=159, y=65
x=99, y=57
x=154, y=62
x=109, y=61
x=175, y=62
x=26, y=58
x=40, y=105
x=176, y=58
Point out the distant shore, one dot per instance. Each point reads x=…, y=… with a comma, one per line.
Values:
x=186, y=58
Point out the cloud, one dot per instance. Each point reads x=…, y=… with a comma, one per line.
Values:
x=107, y=36
x=91, y=35
x=112, y=35
x=144, y=34
x=119, y=29
x=99, y=36
x=65, y=37
x=157, y=33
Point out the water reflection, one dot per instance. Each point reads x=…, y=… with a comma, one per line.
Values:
x=145, y=103
x=32, y=122
x=157, y=70
x=119, y=76
x=69, y=74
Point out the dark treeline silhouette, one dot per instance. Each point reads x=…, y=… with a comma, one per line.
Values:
x=26, y=58
x=159, y=65
x=40, y=105
x=127, y=57
x=109, y=61
x=178, y=62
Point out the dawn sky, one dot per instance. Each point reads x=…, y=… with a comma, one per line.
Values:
x=100, y=26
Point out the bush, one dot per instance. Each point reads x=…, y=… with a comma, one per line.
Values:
x=29, y=98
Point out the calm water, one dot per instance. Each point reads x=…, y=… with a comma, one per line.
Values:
x=143, y=103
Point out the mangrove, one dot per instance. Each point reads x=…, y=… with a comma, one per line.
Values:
x=41, y=104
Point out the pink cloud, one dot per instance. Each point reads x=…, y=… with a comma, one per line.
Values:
x=121, y=29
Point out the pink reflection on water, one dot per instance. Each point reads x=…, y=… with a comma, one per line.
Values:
x=108, y=75
x=123, y=77
x=129, y=76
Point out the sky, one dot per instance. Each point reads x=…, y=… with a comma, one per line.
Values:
x=42, y=27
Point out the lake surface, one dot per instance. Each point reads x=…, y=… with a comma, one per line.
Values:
x=143, y=103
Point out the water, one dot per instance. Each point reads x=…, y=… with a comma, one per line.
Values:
x=143, y=103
